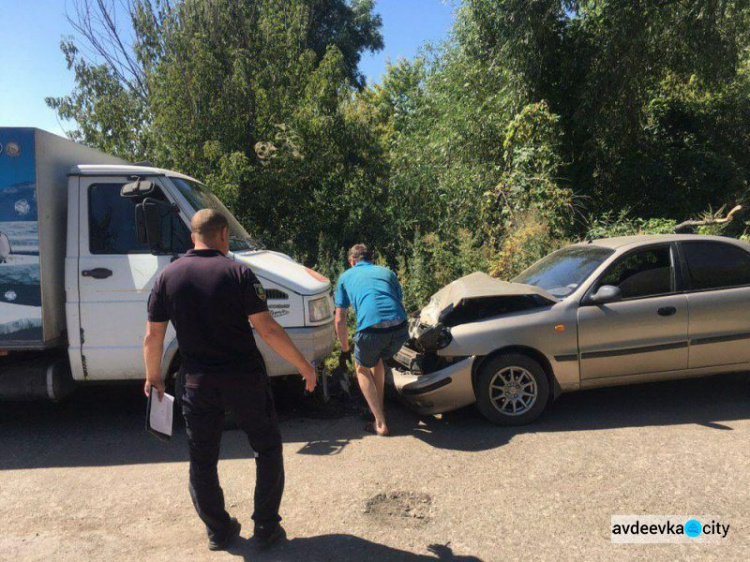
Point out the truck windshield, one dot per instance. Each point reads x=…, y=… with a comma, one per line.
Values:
x=561, y=272
x=200, y=197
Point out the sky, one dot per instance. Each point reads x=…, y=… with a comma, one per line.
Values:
x=32, y=66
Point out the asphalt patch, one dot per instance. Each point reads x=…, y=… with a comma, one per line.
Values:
x=403, y=507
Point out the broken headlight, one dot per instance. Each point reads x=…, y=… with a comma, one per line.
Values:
x=431, y=338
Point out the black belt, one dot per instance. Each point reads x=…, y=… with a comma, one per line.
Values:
x=387, y=330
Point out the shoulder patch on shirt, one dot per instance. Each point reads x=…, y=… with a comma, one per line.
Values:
x=260, y=291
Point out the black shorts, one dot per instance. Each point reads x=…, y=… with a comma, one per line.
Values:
x=370, y=346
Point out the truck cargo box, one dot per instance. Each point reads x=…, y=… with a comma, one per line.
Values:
x=33, y=216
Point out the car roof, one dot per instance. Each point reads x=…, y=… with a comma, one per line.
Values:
x=621, y=242
x=123, y=170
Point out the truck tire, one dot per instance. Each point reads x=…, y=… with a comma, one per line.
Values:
x=512, y=389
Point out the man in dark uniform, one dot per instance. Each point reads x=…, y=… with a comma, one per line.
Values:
x=209, y=299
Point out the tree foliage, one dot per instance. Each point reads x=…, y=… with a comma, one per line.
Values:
x=536, y=122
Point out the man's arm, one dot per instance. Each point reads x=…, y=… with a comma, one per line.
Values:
x=275, y=336
x=153, y=348
x=341, y=300
x=341, y=330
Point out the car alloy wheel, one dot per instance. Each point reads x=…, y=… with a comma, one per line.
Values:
x=513, y=391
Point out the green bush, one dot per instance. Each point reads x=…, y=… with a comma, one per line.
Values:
x=526, y=242
x=434, y=262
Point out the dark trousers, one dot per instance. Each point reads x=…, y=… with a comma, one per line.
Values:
x=254, y=411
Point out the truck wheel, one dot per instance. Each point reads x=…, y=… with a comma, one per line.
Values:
x=512, y=389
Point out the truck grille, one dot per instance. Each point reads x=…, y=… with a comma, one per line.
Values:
x=276, y=295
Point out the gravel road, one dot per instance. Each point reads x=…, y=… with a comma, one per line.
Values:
x=81, y=480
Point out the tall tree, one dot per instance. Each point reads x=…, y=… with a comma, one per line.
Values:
x=252, y=94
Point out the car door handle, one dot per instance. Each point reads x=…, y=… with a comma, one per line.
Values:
x=667, y=311
x=97, y=273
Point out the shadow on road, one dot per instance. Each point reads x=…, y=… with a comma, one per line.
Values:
x=342, y=547
x=104, y=426
x=709, y=401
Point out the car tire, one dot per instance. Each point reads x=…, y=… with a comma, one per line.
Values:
x=503, y=385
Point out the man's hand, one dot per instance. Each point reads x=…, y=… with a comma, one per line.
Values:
x=153, y=348
x=309, y=376
x=344, y=358
x=157, y=384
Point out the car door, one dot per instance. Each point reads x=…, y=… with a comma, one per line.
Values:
x=116, y=273
x=646, y=331
x=718, y=276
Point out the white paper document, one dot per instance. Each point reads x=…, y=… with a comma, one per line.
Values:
x=160, y=413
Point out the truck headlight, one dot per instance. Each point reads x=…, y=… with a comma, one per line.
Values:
x=319, y=309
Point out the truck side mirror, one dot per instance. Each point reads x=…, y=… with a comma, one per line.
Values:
x=606, y=294
x=153, y=224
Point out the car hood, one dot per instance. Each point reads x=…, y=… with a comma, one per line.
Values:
x=479, y=287
x=284, y=271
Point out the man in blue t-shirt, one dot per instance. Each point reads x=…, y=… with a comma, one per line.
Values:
x=375, y=294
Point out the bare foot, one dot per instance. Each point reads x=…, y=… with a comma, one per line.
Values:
x=382, y=429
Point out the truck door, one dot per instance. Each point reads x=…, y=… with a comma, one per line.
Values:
x=115, y=276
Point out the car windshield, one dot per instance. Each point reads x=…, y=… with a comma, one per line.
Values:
x=562, y=272
x=200, y=197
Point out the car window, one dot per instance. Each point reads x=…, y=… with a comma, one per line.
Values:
x=714, y=265
x=112, y=223
x=562, y=272
x=641, y=274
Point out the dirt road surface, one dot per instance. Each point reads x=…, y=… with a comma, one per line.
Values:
x=82, y=480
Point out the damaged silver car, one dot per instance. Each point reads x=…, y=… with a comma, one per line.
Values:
x=602, y=313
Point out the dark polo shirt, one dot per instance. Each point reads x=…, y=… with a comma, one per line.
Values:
x=208, y=298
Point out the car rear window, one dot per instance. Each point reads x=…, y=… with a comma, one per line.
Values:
x=716, y=265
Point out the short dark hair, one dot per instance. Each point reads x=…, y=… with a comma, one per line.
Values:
x=208, y=223
x=360, y=252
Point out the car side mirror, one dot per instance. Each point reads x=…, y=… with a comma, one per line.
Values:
x=605, y=295
x=153, y=225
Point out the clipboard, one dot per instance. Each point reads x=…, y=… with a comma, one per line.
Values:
x=159, y=415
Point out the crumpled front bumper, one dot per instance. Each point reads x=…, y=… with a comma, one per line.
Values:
x=444, y=390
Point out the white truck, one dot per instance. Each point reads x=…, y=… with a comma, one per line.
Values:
x=83, y=236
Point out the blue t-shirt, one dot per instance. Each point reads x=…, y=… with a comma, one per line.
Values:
x=373, y=291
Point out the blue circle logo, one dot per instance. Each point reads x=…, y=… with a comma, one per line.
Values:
x=693, y=528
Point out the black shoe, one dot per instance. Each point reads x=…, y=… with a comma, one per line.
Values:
x=267, y=538
x=231, y=534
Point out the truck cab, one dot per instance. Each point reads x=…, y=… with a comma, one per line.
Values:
x=110, y=269
x=83, y=236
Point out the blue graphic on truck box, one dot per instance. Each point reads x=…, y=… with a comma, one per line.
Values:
x=20, y=287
